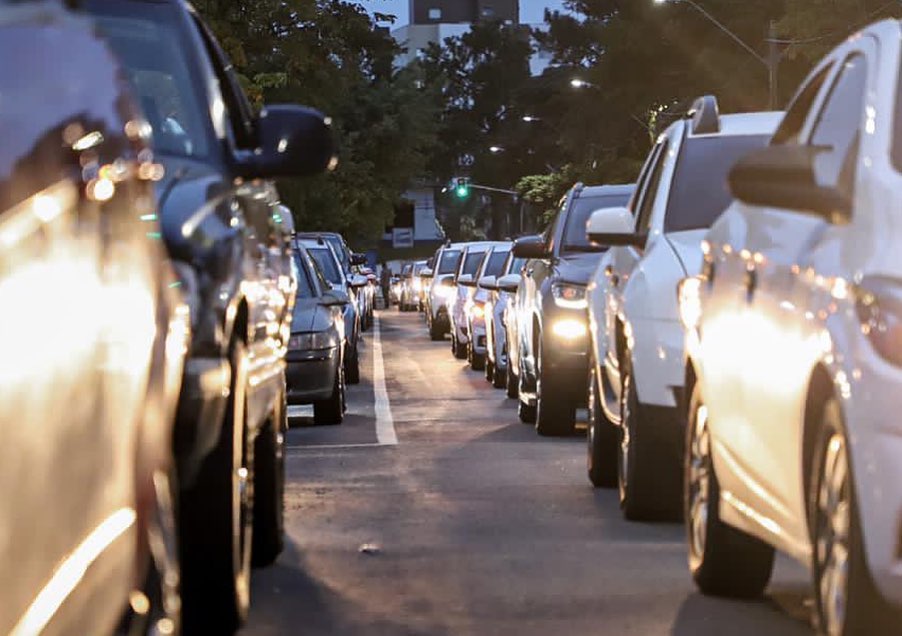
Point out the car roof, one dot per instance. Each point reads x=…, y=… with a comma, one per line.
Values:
x=602, y=190
x=761, y=123
x=483, y=245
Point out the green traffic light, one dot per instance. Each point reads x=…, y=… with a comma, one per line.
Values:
x=462, y=191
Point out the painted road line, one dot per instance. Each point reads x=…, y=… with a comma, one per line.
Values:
x=385, y=425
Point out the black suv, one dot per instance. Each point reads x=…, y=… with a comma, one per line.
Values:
x=221, y=223
x=551, y=310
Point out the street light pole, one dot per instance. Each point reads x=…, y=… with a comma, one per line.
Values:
x=772, y=61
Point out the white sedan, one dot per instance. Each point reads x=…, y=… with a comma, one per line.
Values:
x=794, y=341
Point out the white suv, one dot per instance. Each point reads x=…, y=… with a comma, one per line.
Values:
x=636, y=372
x=794, y=342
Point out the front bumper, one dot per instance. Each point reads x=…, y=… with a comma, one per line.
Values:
x=310, y=375
x=202, y=404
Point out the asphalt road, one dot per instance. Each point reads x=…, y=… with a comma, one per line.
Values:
x=472, y=524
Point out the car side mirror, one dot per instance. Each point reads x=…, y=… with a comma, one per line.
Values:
x=530, y=247
x=358, y=280
x=426, y=272
x=784, y=177
x=614, y=227
x=488, y=282
x=466, y=280
x=334, y=297
x=509, y=283
x=293, y=141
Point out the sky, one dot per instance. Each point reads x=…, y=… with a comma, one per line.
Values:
x=531, y=11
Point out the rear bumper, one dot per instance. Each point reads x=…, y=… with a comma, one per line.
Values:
x=202, y=404
x=310, y=375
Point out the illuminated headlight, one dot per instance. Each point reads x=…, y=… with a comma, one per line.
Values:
x=476, y=311
x=690, y=301
x=316, y=340
x=878, y=302
x=444, y=291
x=417, y=284
x=569, y=296
x=569, y=329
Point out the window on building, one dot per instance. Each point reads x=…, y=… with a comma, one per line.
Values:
x=435, y=14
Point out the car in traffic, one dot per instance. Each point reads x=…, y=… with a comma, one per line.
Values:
x=793, y=369
x=476, y=308
x=349, y=260
x=323, y=253
x=94, y=333
x=442, y=291
x=635, y=377
x=464, y=283
x=552, y=330
x=501, y=290
x=411, y=285
x=218, y=212
x=316, y=372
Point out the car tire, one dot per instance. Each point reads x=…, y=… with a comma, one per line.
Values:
x=458, y=349
x=601, y=439
x=499, y=377
x=269, y=487
x=555, y=412
x=847, y=603
x=648, y=468
x=435, y=333
x=352, y=366
x=723, y=561
x=489, y=369
x=512, y=383
x=215, y=561
x=475, y=360
x=332, y=409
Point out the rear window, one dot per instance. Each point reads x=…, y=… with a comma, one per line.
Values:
x=699, y=193
x=575, y=238
x=327, y=264
x=495, y=266
x=449, y=261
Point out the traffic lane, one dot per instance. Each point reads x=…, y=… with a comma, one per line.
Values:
x=480, y=527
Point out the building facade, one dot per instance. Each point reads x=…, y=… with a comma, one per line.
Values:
x=463, y=11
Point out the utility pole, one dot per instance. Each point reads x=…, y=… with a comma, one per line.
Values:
x=773, y=64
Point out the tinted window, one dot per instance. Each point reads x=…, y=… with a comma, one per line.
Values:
x=797, y=114
x=514, y=265
x=328, y=266
x=575, y=238
x=305, y=284
x=338, y=247
x=448, y=263
x=495, y=266
x=471, y=264
x=699, y=191
x=147, y=40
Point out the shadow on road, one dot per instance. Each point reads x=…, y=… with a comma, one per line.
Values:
x=704, y=616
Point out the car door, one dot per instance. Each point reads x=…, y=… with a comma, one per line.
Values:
x=620, y=262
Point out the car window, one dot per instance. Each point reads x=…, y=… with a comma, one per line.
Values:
x=838, y=128
x=471, y=263
x=794, y=120
x=699, y=192
x=326, y=262
x=449, y=261
x=514, y=264
x=147, y=40
x=647, y=168
x=575, y=239
x=321, y=281
x=305, y=284
x=341, y=252
x=647, y=201
x=495, y=264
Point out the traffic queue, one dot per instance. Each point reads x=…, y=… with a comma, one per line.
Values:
x=730, y=324
x=159, y=315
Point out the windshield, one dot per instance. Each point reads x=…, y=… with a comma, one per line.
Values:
x=575, y=238
x=495, y=266
x=449, y=262
x=146, y=39
x=699, y=191
x=305, y=285
x=325, y=260
x=471, y=263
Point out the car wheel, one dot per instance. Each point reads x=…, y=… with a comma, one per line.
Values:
x=215, y=530
x=511, y=381
x=555, y=413
x=846, y=598
x=458, y=348
x=332, y=409
x=489, y=368
x=435, y=333
x=723, y=560
x=601, y=439
x=499, y=377
x=647, y=467
x=476, y=360
x=352, y=366
x=269, y=487
x=525, y=411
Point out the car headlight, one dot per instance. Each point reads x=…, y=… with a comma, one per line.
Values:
x=878, y=303
x=417, y=284
x=476, y=311
x=569, y=328
x=569, y=296
x=690, y=301
x=444, y=290
x=315, y=340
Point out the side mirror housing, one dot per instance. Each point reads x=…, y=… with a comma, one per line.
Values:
x=613, y=227
x=509, y=283
x=488, y=282
x=530, y=247
x=466, y=280
x=294, y=141
x=784, y=177
x=334, y=297
x=426, y=272
x=358, y=280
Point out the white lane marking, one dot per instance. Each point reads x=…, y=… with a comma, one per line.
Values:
x=315, y=447
x=385, y=425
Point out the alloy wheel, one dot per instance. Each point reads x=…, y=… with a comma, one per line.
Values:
x=625, y=418
x=699, y=482
x=832, y=532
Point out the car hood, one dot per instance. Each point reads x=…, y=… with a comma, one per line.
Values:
x=577, y=268
x=687, y=246
x=309, y=315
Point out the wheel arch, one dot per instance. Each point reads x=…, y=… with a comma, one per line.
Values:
x=820, y=389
